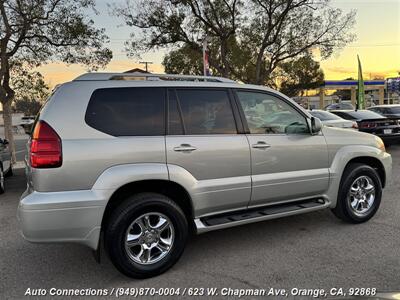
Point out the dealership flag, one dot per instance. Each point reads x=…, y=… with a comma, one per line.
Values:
x=360, y=90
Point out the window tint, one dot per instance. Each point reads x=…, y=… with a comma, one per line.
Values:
x=267, y=114
x=127, y=111
x=175, y=126
x=206, y=111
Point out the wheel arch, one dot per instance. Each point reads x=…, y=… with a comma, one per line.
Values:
x=373, y=163
x=167, y=188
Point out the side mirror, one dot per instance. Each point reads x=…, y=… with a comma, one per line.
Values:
x=316, y=125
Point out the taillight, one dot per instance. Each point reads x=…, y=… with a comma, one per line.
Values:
x=45, y=148
x=368, y=125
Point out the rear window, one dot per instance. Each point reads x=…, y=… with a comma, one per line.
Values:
x=365, y=114
x=324, y=115
x=127, y=111
x=394, y=109
x=359, y=115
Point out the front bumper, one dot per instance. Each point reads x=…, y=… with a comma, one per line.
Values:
x=386, y=160
x=62, y=216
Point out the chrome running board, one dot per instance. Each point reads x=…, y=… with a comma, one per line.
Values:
x=258, y=214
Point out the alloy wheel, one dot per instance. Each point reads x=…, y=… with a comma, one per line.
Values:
x=149, y=238
x=361, y=195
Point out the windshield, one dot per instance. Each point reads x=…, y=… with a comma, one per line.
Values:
x=324, y=115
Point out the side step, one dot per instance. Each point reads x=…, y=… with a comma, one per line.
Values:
x=252, y=215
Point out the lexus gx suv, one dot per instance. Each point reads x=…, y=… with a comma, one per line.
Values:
x=140, y=161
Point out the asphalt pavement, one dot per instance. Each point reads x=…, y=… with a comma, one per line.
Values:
x=20, y=148
x=314, y=250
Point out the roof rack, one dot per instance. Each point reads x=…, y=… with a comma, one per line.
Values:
x=150, y=77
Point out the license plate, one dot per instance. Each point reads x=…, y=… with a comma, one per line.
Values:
x=387, y=131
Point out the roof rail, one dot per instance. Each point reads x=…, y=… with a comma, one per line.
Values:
x=155, y=77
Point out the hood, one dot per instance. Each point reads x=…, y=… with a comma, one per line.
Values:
x=334, y=135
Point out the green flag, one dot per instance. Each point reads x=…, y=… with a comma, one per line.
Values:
x=360, y=90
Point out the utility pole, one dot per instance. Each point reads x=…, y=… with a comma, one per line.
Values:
x=146, y=63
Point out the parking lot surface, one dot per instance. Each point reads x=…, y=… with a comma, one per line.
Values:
x=307, y=251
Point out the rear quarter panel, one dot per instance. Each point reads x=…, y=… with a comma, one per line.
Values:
x=87, y=152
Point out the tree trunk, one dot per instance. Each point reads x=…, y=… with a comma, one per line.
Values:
x=8, y=129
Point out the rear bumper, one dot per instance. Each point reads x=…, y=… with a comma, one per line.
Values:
x=61, y=217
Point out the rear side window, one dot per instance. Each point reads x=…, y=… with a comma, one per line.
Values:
x=206, y=111
x=127, y=111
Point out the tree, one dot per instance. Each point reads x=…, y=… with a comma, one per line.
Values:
x=300, y=74
x=183, y=22
x=248, y=39
x=183, y=61
x=30, y=89
x=38, y=31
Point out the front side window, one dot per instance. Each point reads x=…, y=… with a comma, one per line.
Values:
x=266, y=114
x=206, y=111
x=127, y=111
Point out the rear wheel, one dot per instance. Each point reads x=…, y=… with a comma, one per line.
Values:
x=359, y=195
x=146, y=235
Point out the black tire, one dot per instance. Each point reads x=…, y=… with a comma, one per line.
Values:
x=123, y=216
x=343, y=209
x=10, y=172
x=2, y=181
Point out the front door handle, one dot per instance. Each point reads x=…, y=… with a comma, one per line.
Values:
x=185, y=148
x=261, y=145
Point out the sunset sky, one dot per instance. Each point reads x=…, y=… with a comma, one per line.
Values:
x=378, y=44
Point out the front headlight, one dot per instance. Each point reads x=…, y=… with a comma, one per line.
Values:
x=380, y=144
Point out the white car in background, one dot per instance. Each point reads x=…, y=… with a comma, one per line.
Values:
x=27, y=122
x=332, y=120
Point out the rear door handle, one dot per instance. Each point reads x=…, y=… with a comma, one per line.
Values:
x=185, y=148
x=261, y=145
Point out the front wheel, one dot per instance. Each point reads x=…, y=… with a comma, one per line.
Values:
x=359, y=195
x=146, y=235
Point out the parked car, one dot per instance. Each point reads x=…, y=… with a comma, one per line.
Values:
x=390, y=111
x=368, y=121
x=332, y=120
x=143, y=162
x=5, y=164
x=27, y=123
x=343, y=105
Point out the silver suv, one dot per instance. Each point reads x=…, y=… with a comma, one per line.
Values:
x=141, y=161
